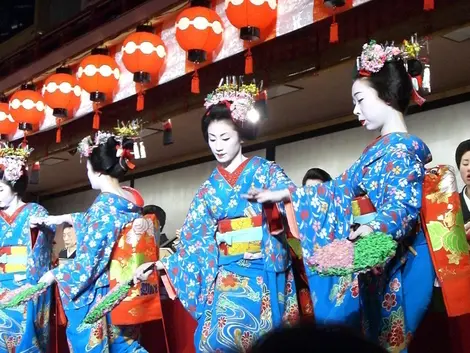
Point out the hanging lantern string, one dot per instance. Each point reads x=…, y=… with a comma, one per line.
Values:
x=58, y=135
x=334, y=30
x=96, y=116
x=195, y=82
x=248, y=62
x=140, y=97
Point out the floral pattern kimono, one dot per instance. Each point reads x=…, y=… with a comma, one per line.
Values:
x=85, y=279
x=391, y=173
x=25, y=255
x=238, y=297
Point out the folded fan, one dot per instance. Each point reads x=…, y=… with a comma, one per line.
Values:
x=343, y=257
x=22, y=295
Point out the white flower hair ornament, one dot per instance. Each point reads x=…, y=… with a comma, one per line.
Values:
x=14, y=162
x=240, y=98
x=130, y=131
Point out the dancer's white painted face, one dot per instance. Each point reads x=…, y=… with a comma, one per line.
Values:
x=7, y=195
x=224, y=140
x=368, y=107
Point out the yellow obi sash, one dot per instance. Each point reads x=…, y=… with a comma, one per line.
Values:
x=239, y=236
x=13, y=259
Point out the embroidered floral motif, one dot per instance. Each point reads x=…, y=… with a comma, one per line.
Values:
x=390, y=301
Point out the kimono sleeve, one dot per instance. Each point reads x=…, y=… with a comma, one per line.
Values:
x=97, y=239
x=192, y=270
x=401, y=183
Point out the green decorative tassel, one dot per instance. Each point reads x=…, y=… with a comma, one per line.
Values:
x=23, y=295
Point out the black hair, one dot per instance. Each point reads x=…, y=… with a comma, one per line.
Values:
x=103, y=158
x=158, y=212
x=217, y=112
x=463, y=148
x=19, y=187
x=393, y=84
x=67, y=225
x=311, y=338
x=316, y=173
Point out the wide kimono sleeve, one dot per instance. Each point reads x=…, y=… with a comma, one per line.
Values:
x=400, y=186
x=42, y=238
x=97, y=233
x=192, y=269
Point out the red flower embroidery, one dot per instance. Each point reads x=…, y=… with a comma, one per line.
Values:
x=390, y=301
x=222, y=321
x=206, y=329
x=396, y=337
x=304, y=215
x=354, y=289
x=229, y=281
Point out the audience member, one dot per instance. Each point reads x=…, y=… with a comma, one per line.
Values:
x=462, y=159
x=315, y=176
x=70, y=242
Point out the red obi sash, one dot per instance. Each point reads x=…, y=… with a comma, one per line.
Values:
x=444, y=228
x=135, y=246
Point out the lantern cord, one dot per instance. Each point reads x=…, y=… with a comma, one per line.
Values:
x=248, y=62
x=140, y=97
x=428, y=5
x=195, y=83
x=58, y=134
x=24, y=144
x=96, y=116
x=334, y=29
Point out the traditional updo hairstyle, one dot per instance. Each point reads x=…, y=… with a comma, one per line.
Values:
x=19, y=186
x=103, y=158
x=221, y=111
x=392, y=83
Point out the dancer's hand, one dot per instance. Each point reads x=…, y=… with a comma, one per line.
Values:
x=362, y=231
x=142, y=273
x=50, y=220
x=467, y=230
x=267, y=196
x=47, y=278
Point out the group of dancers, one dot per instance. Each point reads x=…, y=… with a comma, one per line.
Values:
x=248, y=259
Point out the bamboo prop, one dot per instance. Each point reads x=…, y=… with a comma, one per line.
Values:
x=344, y=257
x=22, y=295
x=110, y=300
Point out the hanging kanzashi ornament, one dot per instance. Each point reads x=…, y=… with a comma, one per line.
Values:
x=62, y=93
x=27, y=107
x=199, y=31
x=251, y=18
x=143, y=54
x=98, y=74
x=8, y=126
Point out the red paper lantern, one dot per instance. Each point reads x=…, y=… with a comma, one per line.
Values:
x=7, y=125
x=27, y=107
x=199, y=31
x=98, y=74
x=251, y=18
x=143, y=54
x=62, y=93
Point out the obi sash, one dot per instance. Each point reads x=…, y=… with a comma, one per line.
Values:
x=240, y=236
x=443, y=225
x=363, y=210
x=136, y=245
x=13, y=260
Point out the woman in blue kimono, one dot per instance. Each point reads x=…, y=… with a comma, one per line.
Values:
x=390, y=172
x=85, y=279
x=25, y=255
x=231, y=273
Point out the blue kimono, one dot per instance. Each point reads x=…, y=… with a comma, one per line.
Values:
x=84, y=280
x=235, y=298
x=391, y=172
x=25, y=255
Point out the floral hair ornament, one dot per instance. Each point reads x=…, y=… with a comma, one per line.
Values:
x=374, y=56
x=14, y=161
x=130, y=131
x=239, y=97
